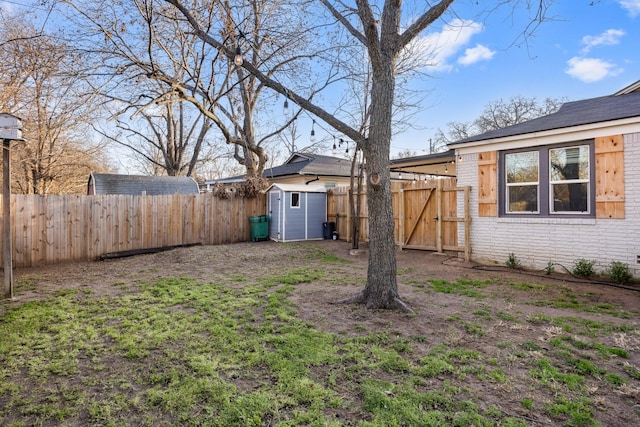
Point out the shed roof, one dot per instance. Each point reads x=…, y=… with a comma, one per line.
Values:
x=299, y=188
x=623, y=105
x=106, y=183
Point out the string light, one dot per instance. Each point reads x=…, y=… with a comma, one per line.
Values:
x=285, y=107
x=238, y=58
x=313, y=132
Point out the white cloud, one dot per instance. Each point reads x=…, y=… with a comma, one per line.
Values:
x=439, y=48
x=608, y=38
x=476, y=54
x=590, y=70
x=632, y=6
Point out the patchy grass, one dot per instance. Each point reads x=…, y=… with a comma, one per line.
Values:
x=236, y=351
x=466, y=287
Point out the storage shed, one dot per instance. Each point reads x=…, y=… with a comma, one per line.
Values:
x=297, y=212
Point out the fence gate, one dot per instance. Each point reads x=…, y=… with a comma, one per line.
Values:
x=425, y=215
x=428, y=218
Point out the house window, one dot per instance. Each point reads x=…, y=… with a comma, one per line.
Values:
x=548, y=181
x=522, y=181
x=295, y=200
x=569, y=179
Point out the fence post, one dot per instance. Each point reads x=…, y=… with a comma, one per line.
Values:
x=439, y=220
x=467, y=224
x=401, y=220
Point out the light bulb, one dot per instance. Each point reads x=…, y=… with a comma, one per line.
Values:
x=285, y=107
x=238, y=58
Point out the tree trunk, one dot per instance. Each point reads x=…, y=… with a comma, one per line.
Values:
x=381, y=290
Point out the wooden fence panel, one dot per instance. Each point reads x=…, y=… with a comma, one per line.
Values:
x=54, y=229
x=416, y=205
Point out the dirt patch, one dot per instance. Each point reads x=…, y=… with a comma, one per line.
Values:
x=505, y=310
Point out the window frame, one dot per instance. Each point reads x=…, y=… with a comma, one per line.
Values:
x=291, y=199
x=535, y=184
x=545, y=201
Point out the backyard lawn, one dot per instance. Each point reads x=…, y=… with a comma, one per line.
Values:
x=246, y=335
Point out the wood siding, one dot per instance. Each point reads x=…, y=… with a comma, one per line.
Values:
x=488, y=183
x=609, y=153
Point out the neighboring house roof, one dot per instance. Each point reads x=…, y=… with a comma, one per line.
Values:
x=300, y=164
x=429, y=164
x=310, y=164
x=106, y=183
x=298, y=188
x=625, y=104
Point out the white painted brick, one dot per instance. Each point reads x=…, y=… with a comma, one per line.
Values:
x=537, y=241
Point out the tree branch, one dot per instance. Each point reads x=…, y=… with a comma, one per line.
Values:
x=271, y=83
x=423, y=22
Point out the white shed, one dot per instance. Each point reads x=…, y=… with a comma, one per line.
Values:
x=297, y=212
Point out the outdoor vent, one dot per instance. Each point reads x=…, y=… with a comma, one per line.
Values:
x=637, y=259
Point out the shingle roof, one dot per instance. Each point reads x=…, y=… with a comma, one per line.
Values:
x=587, y=111
x=105, y=183
x=311, y=164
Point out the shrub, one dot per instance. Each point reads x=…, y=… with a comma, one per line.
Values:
x=619, y=272
x=513, y=261
x=583, y=268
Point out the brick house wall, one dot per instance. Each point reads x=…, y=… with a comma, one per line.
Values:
x=538, y=241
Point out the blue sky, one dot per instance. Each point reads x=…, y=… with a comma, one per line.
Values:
x=589, y=49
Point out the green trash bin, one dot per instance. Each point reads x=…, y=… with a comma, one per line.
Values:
x=259, y=227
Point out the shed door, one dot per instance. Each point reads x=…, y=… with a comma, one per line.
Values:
x=275, y=212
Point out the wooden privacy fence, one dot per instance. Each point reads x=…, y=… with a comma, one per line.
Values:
x=52, y=229
x=425, y=215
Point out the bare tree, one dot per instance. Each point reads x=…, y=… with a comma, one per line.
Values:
x=497, y=115
x=168, y=139
x=144, y=40
x=379, y=28
x=405, y=153
x=517, y=109
x=43, y=84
